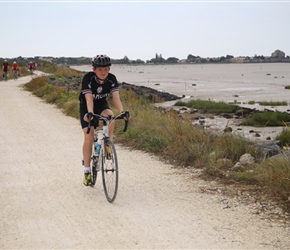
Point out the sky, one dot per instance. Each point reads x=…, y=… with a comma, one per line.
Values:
x=142, y=29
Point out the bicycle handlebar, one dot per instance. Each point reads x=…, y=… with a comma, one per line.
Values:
x=125, y=114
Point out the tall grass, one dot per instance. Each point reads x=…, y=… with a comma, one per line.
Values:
x=284, y=137
x=274, y=175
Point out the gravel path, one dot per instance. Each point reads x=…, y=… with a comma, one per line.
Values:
x=44, y=204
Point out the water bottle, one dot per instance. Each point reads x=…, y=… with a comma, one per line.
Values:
x=98, y=146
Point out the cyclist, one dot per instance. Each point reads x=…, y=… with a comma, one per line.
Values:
x=97, y=85
x=5, y=68
x=31, y=67
x=15, y=68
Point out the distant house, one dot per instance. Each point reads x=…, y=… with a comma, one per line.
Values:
x=278, y=54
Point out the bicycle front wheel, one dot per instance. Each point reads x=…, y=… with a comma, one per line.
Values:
x=94, y=169
x=110, y=171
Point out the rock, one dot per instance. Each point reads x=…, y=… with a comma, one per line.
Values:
x=270, y=149
x=246, y=159
x=238, y=167
x=151, y=93
x=228, y=130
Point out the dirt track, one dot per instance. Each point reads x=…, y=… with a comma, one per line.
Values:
x=45, y=205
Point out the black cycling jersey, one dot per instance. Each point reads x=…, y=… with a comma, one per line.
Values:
x=100, y=92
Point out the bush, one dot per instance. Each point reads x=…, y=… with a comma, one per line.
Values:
x=266, y=118
x=208, y=106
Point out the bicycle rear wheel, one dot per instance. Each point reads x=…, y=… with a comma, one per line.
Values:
x=110, y=172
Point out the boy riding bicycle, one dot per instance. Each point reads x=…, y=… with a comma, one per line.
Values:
x=97, y=85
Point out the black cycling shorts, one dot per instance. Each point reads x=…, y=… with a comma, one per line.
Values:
x=98, y=109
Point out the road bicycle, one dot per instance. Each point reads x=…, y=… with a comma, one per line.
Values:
x=5, y=75
x=106, y=160
x=15, y=74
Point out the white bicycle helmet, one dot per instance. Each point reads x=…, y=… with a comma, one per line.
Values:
x=101, y=61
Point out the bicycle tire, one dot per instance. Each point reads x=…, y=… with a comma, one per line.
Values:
x=94, y=170
x=5, y=76
x=110, y=171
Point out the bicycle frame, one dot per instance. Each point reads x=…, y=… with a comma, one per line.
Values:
x=15, y=73
x=106, y=160
x=5, y=75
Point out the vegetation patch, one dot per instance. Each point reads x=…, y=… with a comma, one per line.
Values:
x=208, y=106
x=277, y=103
x=266, y=118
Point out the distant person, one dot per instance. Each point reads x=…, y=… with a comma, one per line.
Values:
x=31, y=67
x=15, y=66
x=5, y=69
x=15, y=70
x=97, y=85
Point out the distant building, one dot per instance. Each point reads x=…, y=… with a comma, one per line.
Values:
x=278, y=54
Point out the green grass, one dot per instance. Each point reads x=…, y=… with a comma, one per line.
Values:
x=267, y=118
x=208, y=106
x=284, y=137
x=272, y=103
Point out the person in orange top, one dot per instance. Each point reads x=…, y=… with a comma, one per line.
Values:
x=14, y=66
x=15, y=69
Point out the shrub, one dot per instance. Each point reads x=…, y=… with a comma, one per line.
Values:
x=208, y=106
x=266, y=118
